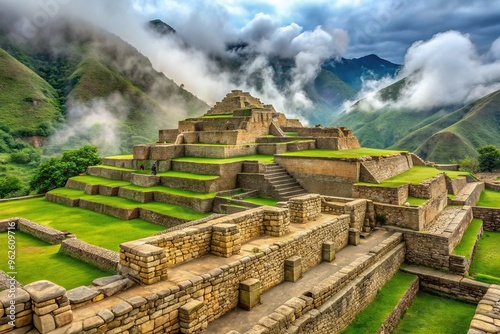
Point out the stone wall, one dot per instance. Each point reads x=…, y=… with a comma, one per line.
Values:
x=469, y=195
x=304, y=208
x=165, y=151
x=45, y=233
x=145, y=310
x=377, y=169
x=54, y=198
x=412, y=218
x=492, y=186
x=338, y=312
x=109, y=173
x=347, y=292
x=489, y=216
x=330, y=177
x=202, y=186
x=393, y=319
x=487, y=313
x=96, y=256
x=455, y=185
x=168, y=135
x=454, y=285
x=433, y=250
x=123, y=163
x=389, y=195
x=219, y=151
x=122, y=213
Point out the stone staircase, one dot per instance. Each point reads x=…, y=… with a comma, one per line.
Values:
x=282, y=183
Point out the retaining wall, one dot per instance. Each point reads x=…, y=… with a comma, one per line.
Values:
x=389, y=195
x=377, y=169
x=45, y=233
x=489, y=216
x=97, y=256
x=109, y=173
x=219, y=151
x=202, y=186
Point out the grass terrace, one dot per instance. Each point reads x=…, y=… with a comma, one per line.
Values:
x=485, y=266
x=261, y=201
x=172, y=210
x=414, y=175
x=92, y=227
x=173, y=191
x=371, y=318
x=468, y=241
x=38, y=260
x=89, y=179
x=218, y=116
x=415, y=201
x=489, y=198
x=430, y=314
x=123, y=156
x=262, y=158
x=351, y=153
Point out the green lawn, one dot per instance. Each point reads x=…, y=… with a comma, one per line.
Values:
x=465, y=246
x=352, y=153
x=262, y=158
x=371, y=318
x=38, y=260
x=485, y=266
x=94, y=228
x=489, y=198
x=89, y=179
x=414, y=175
x=261, y=201
x=173, y=191
x=429, y=314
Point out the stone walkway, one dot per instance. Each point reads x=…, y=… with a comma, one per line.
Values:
x=242, y=321
x=439, y=224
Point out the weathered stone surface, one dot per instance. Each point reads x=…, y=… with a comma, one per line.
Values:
x=114, y=287
x=44, y=323
x=41, y=291
x=21, y=296
x=121, y=308
x=81, y=294
x=92, y=322
x=101, y=281
x=106, y=315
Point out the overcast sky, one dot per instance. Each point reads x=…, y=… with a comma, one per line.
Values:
x=384, y=27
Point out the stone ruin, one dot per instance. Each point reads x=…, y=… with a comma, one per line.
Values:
x=214, y=274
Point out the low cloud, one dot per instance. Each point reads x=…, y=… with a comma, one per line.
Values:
x=443, y=71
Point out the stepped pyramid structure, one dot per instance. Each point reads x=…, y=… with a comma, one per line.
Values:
x=335, y=229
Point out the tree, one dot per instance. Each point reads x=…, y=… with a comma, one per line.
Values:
x=489, y=158
x=54, y=173
x=11, y=186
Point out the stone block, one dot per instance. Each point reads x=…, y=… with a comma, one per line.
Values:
x=293, y=268
x=64, y=318
x=81, y=294
x=249, y=295
x=42, y=291
x=101, y=281
x=328, y=251
x=44, y=323
x=190, y=308
x=354, y=237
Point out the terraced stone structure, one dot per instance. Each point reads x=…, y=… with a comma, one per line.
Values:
x=339, y=231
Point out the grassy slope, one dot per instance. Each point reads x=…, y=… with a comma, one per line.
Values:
x=38, y=260
x=489, y=198
x=465, y=246
x=429, y=314
x=485, y=266
x=26, y=100
x=370, y=319
x=89, y=226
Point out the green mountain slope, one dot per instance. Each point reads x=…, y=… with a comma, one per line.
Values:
x=439, y=134
x=477, y=125
x=28, y=104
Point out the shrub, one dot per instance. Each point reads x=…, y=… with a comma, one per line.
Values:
x=468, y=164
x=54, y=173
x=11, y=186
x=489, y=158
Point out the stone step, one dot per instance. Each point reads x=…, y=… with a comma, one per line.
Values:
x=277, y=173
x=292, y=192
x=468, y=195
x=285, y=183
x=291, y=188
x=279, y=178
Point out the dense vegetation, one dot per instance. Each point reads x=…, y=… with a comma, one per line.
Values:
x=54, y=172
